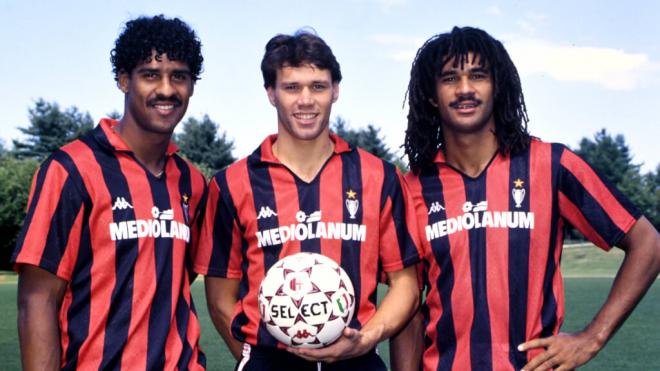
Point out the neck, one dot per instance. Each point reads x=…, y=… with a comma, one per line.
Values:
x=470, y=153
x=149, y=148
x=303, y=158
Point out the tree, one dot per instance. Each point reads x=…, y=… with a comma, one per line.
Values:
x=50, y=128
x=368, y=139
x=612, y=158
x=15, y=180
x=200, y=143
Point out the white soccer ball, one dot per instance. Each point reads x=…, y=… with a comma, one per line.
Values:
x=306, y=300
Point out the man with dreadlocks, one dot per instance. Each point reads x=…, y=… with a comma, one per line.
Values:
x=104, y=279
x=492, y=202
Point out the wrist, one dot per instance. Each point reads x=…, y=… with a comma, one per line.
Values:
x=371, y=336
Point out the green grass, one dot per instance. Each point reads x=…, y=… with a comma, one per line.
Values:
x=588, y=276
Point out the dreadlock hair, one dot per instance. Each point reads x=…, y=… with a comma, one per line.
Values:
x=143, y=35
x=301, y=48
x=424, y=133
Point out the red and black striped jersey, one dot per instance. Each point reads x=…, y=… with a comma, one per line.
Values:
x=492, y=247
x=356, y=211
x=121, y=238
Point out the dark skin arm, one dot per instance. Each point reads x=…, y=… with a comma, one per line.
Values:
x=221, y=298
x=40, y=295
x=638, y=271
x=407, y=346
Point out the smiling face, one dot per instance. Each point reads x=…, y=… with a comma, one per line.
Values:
x=465, y=97
x=303, y=97
x=156, y=94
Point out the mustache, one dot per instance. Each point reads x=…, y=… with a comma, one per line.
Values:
x=471, y=98
x=163, y=99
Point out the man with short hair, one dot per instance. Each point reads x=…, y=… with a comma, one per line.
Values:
x=303, y=170
x=103, y=255
x=492, y=202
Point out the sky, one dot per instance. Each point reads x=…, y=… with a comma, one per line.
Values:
x=584, y=65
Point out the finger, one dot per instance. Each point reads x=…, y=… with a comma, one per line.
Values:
x=536, y=343
x=350, y=333
x=536, y=361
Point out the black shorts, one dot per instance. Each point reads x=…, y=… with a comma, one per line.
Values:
x=273, y=359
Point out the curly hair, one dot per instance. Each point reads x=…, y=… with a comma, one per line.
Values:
x=424, y=133
x=143, y=35
x=303, y=47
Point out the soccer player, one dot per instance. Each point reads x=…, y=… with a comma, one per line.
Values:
x=302, y=171
x=492, y=202
x=103, y=255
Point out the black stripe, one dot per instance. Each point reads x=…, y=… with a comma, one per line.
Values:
x=309, y=199
x=480, y=335
x=78, y=313
x=393, y=191
x=264, y=196
x=126, y=251
x=432, y=191
x=549, y=307
x=594, y=213
x=350, y=250
x=519, y=240
x=223, y=223
x=160, y=319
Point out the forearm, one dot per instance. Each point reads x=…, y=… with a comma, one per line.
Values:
x=397, y=307
x=221, y=298
x=638, y=271
x=39, y=339
x=407, y=346
x=222, y=322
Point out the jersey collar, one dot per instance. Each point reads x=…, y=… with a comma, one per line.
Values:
x=265, y=150
x=108, y=137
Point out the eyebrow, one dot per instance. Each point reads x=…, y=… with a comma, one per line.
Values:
x=156, y=70
x=471, y=70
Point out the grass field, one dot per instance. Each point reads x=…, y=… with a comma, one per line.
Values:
x=588, y=273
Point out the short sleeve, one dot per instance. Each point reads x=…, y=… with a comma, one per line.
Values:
x=399, y=243
x=219, y=249
x=591, y=204
x=50, y=235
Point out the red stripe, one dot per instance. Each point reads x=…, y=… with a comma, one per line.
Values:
x=35, y=237
x=540, y=204
x=287, y=203
x=497, y=267
x=461, y=296
x=237, y=179
x=592, y=183
x=371, y=168
x=332, y=204
x=144, y=277
x=580, y=222
x=204, y=251
x=238, y=182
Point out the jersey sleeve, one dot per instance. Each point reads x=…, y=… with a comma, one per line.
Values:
x=218, y=252
x=591, y=204
x=51, y=233
x=399, y=243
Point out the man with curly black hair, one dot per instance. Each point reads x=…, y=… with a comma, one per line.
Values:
x=103, y=256
x=492, y=202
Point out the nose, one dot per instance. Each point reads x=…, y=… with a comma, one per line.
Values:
x=305, y=97
x=165, y=87
x=465, y=86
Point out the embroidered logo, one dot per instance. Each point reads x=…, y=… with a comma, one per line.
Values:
x=352, y=203
x=436, y=207
x=186, y=207
x=518, y=192
x=266, y=212
x=121, y=204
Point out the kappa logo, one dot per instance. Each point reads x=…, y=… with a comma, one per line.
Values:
x=302, y=334
x=266, y=212
x=121, y=204
x=436, y=207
